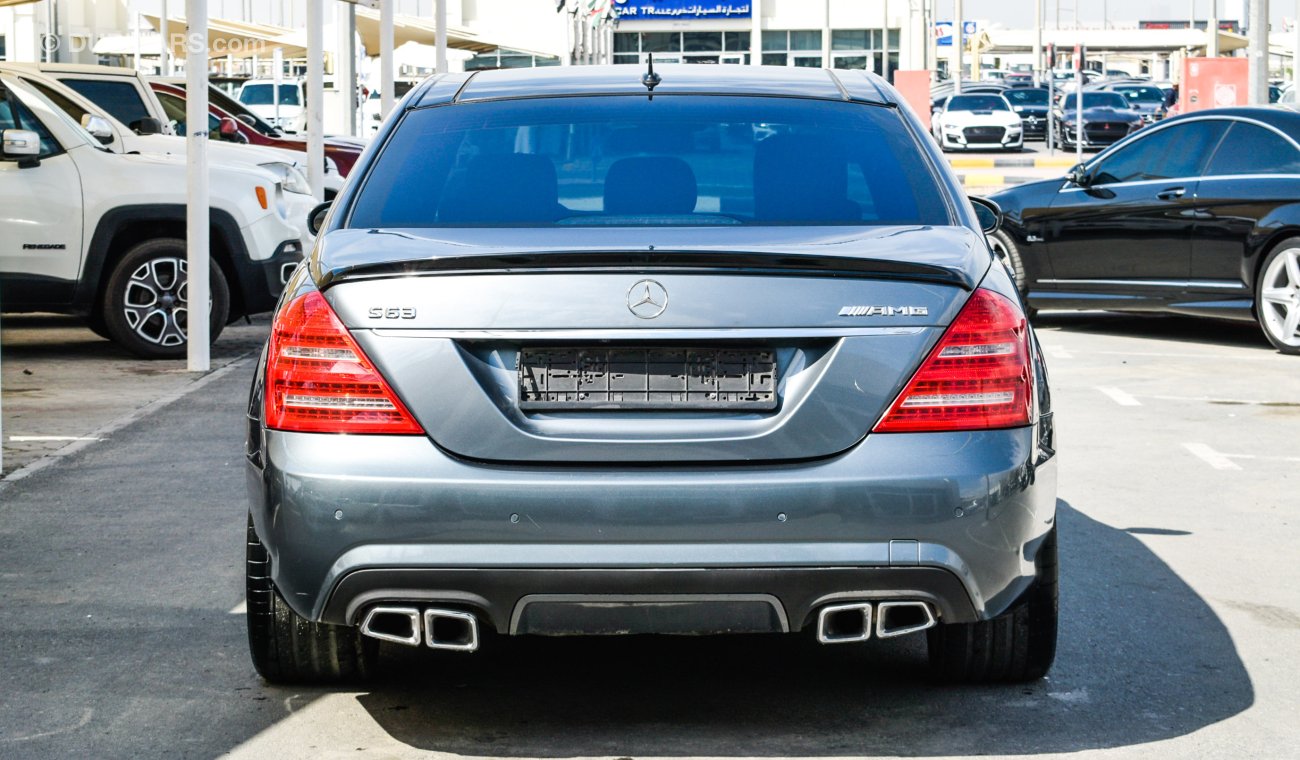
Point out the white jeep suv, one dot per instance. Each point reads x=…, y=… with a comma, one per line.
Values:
x=101, y=235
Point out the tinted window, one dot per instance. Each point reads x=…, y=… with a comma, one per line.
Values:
x=120, y=99
x=264, y=95
x=237, y=110
x=1026, y=97
x=1248, y=149
x=1141, y=94
x=635, y=161
x=14, y=115
x=977, y=103
x=1177, y=151
x=58, y=99
x=1098, y=100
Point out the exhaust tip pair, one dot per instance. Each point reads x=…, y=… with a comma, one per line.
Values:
x=847, y=623
x=436, y=628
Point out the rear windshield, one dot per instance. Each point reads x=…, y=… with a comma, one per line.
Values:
x=1142, y=94
x=629, y=160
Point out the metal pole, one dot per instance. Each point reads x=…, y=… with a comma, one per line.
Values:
x=1258, y=85
x=277, y=76
x=1191, y=14
x=756, y=33
x=441, y=16
x=826, y=33
x=165, y=62
x=386, y=99
x=1295, y=51
x=1038, y=42
x=197, y=220
x=139, y=20
x=345, y=74
x=884, y=31
x=50, y=43
x=316, y=97
x=958, y=46
x=1078, y=106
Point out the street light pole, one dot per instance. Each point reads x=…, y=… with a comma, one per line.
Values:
x=440, y=16
x=315, y=97
x=1038, y=41
x=386, y=84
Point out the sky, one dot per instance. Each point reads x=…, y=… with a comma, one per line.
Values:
x=1020, y=13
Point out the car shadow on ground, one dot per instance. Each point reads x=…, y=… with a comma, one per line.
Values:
x=1141, y=658
x=1174, y=328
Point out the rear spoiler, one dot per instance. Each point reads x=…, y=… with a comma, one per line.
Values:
x=731, y=262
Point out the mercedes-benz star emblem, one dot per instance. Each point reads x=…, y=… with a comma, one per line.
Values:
x=647, y=299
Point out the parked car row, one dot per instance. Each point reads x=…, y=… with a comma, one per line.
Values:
x=92, y=180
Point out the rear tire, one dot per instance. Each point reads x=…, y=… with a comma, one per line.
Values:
x=146, y=308
x=289, y=649
x=1018, y=645
x=1008, y=252
x=1276, y=292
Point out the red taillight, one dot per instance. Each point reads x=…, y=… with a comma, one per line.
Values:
x=978, y=377
x=319, y=381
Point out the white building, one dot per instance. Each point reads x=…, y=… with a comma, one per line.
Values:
x=860, y=34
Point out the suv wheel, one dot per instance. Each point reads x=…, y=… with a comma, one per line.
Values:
x=288, y=648
x=1277, y=297
x=146, y=307
x=1018, y=645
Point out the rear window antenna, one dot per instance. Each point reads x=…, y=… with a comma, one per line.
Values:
x=651, y=80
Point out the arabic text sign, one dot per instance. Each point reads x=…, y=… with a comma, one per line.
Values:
x=630, y=10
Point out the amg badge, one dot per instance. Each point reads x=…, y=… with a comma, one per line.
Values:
x=884, y=311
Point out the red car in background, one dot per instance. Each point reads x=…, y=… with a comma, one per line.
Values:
x=240, y=124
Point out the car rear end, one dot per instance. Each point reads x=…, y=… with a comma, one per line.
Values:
x=714, y=361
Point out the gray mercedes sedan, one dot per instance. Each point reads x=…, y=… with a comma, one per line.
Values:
x=651, y=350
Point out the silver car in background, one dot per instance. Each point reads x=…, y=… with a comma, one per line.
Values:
x=689, y=350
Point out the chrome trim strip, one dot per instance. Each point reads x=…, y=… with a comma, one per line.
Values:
x=580, y=334
x=518, y=613
x=1192, y=284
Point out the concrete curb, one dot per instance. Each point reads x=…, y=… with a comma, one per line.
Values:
x=1047, y=162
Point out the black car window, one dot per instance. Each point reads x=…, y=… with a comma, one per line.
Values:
x=1097, y=100
x=121, y=99
x=1175, y=151
x=15, y=115
x=674, y=160
x=1249, y=149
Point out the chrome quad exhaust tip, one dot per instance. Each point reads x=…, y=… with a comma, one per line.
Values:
x=450, y=629
x=400, y=625
x=844, y=623
x=901, y=618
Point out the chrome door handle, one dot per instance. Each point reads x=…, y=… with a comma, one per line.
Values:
x=1171, y=193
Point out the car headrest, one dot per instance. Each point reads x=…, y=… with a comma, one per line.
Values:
x=650, y=185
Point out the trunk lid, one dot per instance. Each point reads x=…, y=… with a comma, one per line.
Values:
x=835, y=320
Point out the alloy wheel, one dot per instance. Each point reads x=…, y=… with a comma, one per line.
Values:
x=1279, y=306
x=156, y=301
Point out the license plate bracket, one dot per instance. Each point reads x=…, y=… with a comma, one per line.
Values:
x=647, y=378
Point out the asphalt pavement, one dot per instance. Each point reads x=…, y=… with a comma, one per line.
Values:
x=121, y=591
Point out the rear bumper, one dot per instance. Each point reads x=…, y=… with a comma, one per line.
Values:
x=955, y=519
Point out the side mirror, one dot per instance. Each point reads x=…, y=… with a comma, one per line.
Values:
x=249, y=120
x=988, y=213
x=98, y=128
x=21, y=143
x=316, y=219
x=1077, y=175
x=147, y=126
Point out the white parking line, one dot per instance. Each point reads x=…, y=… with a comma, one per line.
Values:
x=239, y=609
x=1119, y=396
x=1211, y=457
x=1228, y=401
x=1268, y=357
x=42, y=438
